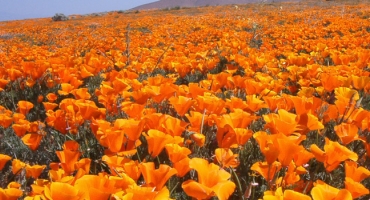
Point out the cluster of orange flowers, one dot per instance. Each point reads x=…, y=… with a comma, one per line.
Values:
x=176, y=85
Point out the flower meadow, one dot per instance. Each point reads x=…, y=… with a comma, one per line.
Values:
x=255, y=101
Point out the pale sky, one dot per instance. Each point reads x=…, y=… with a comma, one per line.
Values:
x=22, y=9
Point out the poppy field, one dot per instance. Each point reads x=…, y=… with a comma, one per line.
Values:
x=255, y=101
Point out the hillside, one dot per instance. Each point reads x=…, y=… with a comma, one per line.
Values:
x=193, y=3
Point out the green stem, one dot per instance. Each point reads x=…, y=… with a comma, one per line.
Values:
x=238, y=182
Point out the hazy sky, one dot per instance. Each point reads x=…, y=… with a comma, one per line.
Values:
x=21, y=9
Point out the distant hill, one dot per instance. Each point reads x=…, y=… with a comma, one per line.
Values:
x=193, y=3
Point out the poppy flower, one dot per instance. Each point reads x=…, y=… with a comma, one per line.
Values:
x=10, y=193
x=84, y=164
x=3, y=160
x=355, y=188
x=34, y=170
x=176, y=152
x=61, y=191
x=69, y=156
x=360, y=82
x=226, y=158
x=213, y=181
x=156, y=141
x=321, y=190
x=133, y=110
x=254, y=103
x=333, y=155
x=330, y=82
x=131, y=127
x=66, y=89
x=32, y=140
x=38, y=187
x=96, y=187
x=354, y=172
x=81, y=93
x=198, y=138
x=174, y=126
x=209, y=104
x=181, y=104
x=138, y=192
x=84, y=73
x=196, y=120
x=286, y=195
x=346, y=132
x=287, y=149
x=156, y=178
x=49, y=106
x=266, y=170
x=24, y=107
x=242, y=135
x=5, y=120
x=267, y=145
x=234, y=103
x=52, y=97
x=21, y=127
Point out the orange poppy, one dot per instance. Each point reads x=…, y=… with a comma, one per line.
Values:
x=355, y=188
x=323, y=191
x=287, y=149
x=17, y=166
x=66, y=89
x=96, y=187
x=196, y=120
x=81, y=93
x=234, y=103
x=5, y=120
x=174, y=126
x=346, y=132
x=156, y=141
x=69, y=156
x=62, y=191
x=213, y=181
x=266, y=170
x=84, y=164
x=156, y=178
x=330, y=82
x=267, y=145
x=242, y=135
x=131, y=127
x=133, y=110
x=334, y=154
x=302, y=156
x=24, y=107
x=34, y=170
x=49, y=106
x=181, y=104
x=361, y=82
x=3, y=160
x=38, y=187
x=198, y=138
x=51, y=97
x=84, y=73
x=210, y=104
x=176, y=152
x=32, y=140
x=286, y=195
x=115, y=163
x=21, y=127
x=226, y=158
x=138, y=192
x=10, y=193
x=254, y=103
x=354, y=172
